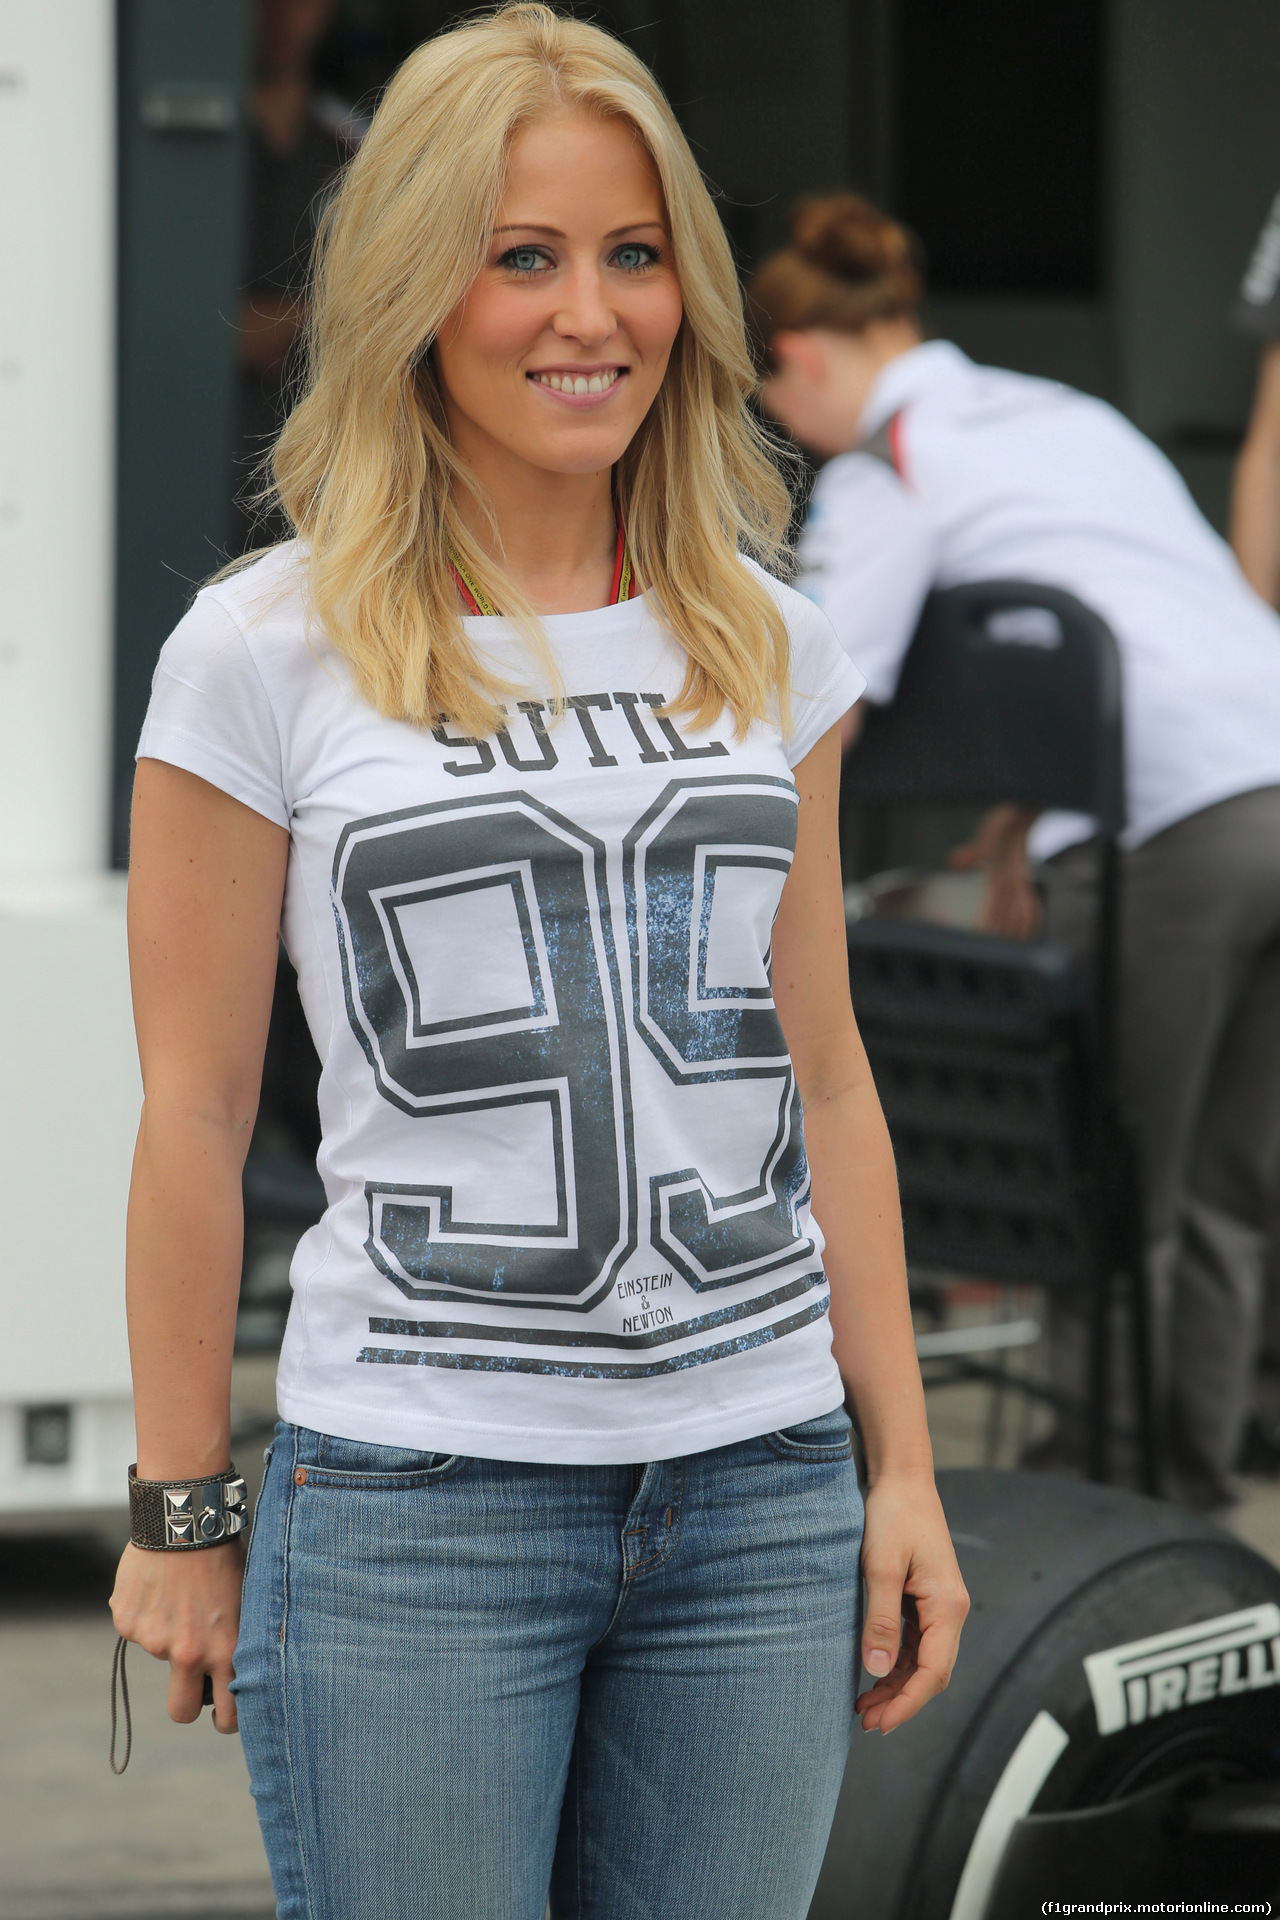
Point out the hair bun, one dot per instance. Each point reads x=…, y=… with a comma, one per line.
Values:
x=846, y=235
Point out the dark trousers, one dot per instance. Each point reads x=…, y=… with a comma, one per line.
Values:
x=1199, y=1065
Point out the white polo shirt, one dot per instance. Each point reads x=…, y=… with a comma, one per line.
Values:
x=992, y=475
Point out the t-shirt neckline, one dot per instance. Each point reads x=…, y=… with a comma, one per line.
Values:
x=617, y=621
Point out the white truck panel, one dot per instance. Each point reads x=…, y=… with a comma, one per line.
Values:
x=68, y=1121
x=69, y=1084
x=57, y=407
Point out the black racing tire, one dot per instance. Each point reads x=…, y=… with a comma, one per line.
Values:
x=1057, y=1571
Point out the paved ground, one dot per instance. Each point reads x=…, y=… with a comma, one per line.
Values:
x=176, y=1835
x=173, y=1836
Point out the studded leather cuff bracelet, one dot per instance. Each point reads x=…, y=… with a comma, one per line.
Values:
x=170, y=1516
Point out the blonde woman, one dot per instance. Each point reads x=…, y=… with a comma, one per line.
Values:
x=554, y=1577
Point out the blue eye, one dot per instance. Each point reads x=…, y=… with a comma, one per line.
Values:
x=634, y=257
x=523, y=260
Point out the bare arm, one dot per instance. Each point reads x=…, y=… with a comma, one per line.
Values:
x=206, y=879
x=907, y=1551
x=1255, y=490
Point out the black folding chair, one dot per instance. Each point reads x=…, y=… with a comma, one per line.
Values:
x=994, y=1060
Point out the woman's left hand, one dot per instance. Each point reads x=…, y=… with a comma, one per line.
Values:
x=909, y=1565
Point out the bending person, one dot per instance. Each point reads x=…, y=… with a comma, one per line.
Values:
x=939, y=472
x=555, y=1571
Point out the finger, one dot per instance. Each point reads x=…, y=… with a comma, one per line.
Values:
x=871, y=1713
x=930, y=1677
x=919, y=1689
x=902, y=1684
x=879, y=1694
x=186, y=1692
x=882, y=1693
x=882, y=1629
x=224, y=1701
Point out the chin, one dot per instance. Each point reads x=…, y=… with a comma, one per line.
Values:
x=579, y=454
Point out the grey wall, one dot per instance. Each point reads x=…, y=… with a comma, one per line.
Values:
x=1059, y=339
x=180, y=225
x=768, y=107
x=1192, y=164
x=1195, y=163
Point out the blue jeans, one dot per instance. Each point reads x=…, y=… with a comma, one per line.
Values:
x=466, y=1686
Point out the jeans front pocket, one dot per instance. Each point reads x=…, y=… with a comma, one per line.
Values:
x=361, y=1466
x=829, y=1437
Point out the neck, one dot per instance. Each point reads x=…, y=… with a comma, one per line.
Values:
x=854, y=362
x=557, y=530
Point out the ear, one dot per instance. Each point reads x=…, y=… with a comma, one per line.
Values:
x=799, y=351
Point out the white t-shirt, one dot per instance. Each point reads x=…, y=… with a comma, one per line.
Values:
x=997, y=476
x=568, y=1210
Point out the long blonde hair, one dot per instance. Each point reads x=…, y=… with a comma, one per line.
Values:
x=363, y=466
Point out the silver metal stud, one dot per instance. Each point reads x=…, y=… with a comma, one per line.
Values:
x=213, y=1526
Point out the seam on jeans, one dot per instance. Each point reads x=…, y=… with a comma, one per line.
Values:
x=624, y=1589
x=253, y=1527
x=577, y=1837
x=326, y=1479
x=625, y=1584
x=655, y=1559
x=284, y=1683
x=792, y=1450
x=672, y=1540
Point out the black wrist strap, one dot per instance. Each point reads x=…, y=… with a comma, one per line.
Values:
x=118, y=1675
x=177, y=1516
x=120, y=1681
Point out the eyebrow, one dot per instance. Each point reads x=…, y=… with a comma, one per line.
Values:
x=557, y=233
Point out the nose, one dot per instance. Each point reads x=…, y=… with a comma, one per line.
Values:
x=585, y=313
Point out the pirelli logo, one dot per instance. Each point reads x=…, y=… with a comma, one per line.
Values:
x=1236, y=1653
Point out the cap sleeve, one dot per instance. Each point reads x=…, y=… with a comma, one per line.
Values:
x=824, y=681
x=211, y=715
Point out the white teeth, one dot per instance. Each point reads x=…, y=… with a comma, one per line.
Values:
x=579, y=383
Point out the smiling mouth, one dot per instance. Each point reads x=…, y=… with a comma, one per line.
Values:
x=580, y=386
